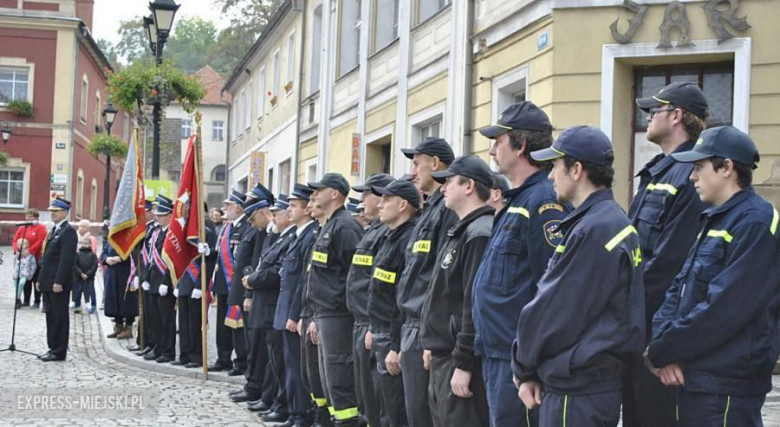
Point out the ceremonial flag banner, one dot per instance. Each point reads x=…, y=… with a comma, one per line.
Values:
x=181, y=241
x=128, y=220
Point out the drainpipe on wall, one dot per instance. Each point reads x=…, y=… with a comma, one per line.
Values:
x=227, y=146
x=468, y=139
x=299, y=121
x=72, y=142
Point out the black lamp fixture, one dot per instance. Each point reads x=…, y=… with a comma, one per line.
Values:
x=109, y=114
x=163, y=12
x=151, y=32
x=6, y=133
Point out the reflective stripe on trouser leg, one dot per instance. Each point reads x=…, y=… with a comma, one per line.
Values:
x=335, y=348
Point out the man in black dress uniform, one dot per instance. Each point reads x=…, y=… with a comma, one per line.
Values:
x=56, y=279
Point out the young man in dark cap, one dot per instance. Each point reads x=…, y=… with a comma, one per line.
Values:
x=288, y=308
x=587, y=318
x=144, y=322
x=665, y=212
x=227, y=243
x=331, y=259
x=522, y=241
x=56, y=279
x=457, y=391
x=358, y=281
x=430, y=231
x=157, y=281
x=398, y=208
x=500, y=186
x=715, y=335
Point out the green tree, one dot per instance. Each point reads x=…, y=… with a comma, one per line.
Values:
x=133, y=42
x=109, y=51
x=190, y=43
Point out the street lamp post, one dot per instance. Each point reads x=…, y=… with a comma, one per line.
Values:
x=5, y=132
x=158, y=27
x=109, y=114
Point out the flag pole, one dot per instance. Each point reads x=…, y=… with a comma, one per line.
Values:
x=204, y=313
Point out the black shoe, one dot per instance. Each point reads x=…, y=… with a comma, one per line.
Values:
x=52, y=358
x=18, y=304
x=193, y=365
x=242, y=397
x=260, y=406
x=163, y=359
x=235, y=392
x=217, y=368
x=274, y=417
x=48, y=353
x=150, y=356
x=288, y=423
x=179, y=363
x=235, y=372
x=36, y=306
x=144, y=352
x=135, y=347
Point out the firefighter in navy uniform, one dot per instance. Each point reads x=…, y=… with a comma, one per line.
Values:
x=157, y=281
x=223, y=276
x=189, y=294
x=522, y=241
x=288, y=308
x=151, y=226
x=56, y=279
x=430, y=231
x=358, y=279
x=457, y=392
x=263, y=287
x=398, y=210
x=715, y=335
x=331, y=258
x=665, y=213
x=587, y=319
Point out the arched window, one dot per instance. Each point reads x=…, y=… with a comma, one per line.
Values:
x=218, y=173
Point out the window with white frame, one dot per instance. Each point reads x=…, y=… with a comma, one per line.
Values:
x=186, y=129
x=14, y=84
x=84, y=97
x=284, y=176
x=270, y=178
x=233, y=120
x=11, y=187
x=290, y=62
x=428, y=8
x=275, y=84
x=316, y=47
x=385, y=28
x=218, y=173
x=80, y=194
x=217, y=130
x=248, y=113
x=349, y=46
x=311, y=172
x=262, y=95
x=243, y=113
x=431, y=129
x=93, y=200
x=98, y=111
x=509, y=88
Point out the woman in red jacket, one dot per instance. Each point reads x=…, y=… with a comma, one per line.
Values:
x=35, y=235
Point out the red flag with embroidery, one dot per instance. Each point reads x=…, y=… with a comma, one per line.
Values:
x=181, y=241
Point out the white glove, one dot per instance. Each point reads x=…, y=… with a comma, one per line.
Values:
x=203, y=248
x=146, y=286
x=176, y=293
x=163, y=290
x=135, y=283
x=196, y=294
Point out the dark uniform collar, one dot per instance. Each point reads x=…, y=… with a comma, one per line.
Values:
x=434, y=198
x=736, y=199
x=662, y=162
x=471, y=217
x=593, y=198
x=393, y=234
x=336, y=213
x=534, y=178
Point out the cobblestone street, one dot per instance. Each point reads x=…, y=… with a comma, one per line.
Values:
x=153, y=398
x=90, y=371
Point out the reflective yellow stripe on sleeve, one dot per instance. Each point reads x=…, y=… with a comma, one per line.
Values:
x=421, y=246
x=319, y=257
x=620, y=237
x=560, y=249
x=669, y=188
x=775, y=219
x=345, y=414
x=519, y=210
x=383, y=275
x=723, y=234
x=365, y=260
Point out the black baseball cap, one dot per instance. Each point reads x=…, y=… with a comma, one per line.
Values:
x=469, y=166
x=727, y=142
x=682, y=94
x=332, y=180
x=375, y=180
x=522, y=116
x=500, y=182
x=587, y=143
x=403, y=189
x=434, y=147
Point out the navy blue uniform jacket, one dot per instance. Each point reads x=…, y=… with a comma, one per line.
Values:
x=293, y=274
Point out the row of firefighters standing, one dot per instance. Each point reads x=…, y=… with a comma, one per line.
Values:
x=462, y=302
